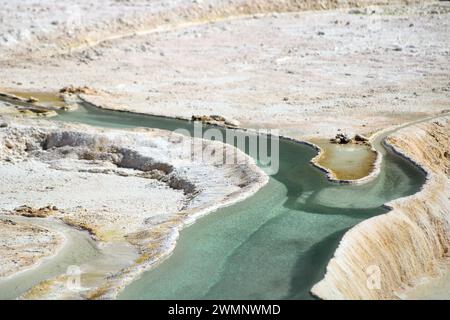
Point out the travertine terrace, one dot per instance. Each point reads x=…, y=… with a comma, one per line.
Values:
x=411, y=241
x=137, y=187
x=309, y=69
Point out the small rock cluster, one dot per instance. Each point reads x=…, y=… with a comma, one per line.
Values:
x=43, y=212
x=32, y=99
x=76, y=90
x=342, y=138
x=215, y=119
x=360, y=138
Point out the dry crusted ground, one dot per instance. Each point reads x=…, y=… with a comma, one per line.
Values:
x=307, y=73
x=136, y=187
x=257, y=63
x=23, y=245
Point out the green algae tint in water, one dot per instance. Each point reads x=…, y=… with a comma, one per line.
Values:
x=275, y=244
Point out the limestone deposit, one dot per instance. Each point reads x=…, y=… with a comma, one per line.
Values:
x=410, y=242
x=119, y=186
x=24, y=245
x=309, y=69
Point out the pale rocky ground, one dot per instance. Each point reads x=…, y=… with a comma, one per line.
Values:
x=262, y=63
x=8, y=109
x=114, y=182
x=23, y=245
x=120, y=186
x=306, y=73
x=412, y=241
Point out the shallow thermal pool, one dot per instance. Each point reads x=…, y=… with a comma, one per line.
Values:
x=275, y=244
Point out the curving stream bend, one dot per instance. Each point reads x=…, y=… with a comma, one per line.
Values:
x=273, y=245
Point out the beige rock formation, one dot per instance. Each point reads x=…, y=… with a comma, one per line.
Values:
x=24, y=245
x=409, y=242
x=134, y=187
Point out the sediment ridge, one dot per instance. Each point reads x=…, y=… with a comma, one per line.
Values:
x=76, y=166
x=374, y=242
x=409, y=242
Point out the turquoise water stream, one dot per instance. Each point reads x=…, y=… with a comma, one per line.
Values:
x=273, y=245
